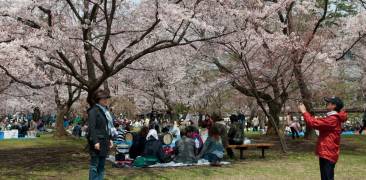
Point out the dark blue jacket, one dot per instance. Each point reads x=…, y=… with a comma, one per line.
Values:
x=97, y=131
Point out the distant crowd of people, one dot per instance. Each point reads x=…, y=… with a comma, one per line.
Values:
x=27, y=124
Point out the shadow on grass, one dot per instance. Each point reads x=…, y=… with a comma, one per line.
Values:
x=17, y=162
x=167, y=173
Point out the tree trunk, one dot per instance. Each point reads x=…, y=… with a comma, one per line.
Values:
x=274, y=112
x=253, y=112
x=61, y=112
x=262, y=119
x=272, y=116
x=90, y=98
x=170, y=110
x=106, y=86
x=306, y=96
x=170, y=115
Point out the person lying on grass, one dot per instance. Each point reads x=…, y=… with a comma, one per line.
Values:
x=330, y=129
x=213, y=150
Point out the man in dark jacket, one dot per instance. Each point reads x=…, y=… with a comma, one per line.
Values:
x=241, y=118
x=236, y=131
x=99, y=134
x=330, y=129
x=363, y=122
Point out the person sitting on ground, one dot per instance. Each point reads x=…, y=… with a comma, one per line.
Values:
x=66, y=122
x=175, y=131
x=138, y=144
x=153, y=148
x=193, y=133
x=77, y=130
x=222, y=128
x=185, y=149
x=236, y=131
x=213, y=150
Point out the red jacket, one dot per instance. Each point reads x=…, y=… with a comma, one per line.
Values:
x=329, y=133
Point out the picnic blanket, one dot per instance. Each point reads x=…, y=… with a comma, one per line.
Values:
x=201, y=162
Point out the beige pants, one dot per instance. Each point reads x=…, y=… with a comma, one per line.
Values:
x=32, y=133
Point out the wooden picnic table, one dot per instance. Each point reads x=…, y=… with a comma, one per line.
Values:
x=243, y=147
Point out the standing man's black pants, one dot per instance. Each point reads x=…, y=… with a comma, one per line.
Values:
x=363, y=127
x=326, y=169
x=294, y=132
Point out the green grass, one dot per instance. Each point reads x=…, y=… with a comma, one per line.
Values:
x=46, y=140
x=69, y=161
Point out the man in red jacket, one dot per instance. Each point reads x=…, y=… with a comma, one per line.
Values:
x=329, y=134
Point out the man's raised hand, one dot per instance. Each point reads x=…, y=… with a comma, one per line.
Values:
x=302, y=108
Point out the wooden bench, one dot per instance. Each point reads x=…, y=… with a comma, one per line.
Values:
x=243, y=147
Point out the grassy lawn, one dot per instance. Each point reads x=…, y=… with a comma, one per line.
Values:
x=47, y=158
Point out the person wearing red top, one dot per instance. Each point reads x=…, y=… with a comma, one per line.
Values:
x=330, y=130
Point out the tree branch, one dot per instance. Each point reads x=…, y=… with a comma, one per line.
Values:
x=71, y=5
x=72, y=68
x=29, y=84
x=351, y=47
x=317, y=25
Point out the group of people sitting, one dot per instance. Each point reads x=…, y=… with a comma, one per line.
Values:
x=148, y=145
x=26, y=128
x=189, y=148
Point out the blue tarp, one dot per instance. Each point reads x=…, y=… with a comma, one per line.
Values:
x=348, y=133
x=301, y=134
x=343, y=133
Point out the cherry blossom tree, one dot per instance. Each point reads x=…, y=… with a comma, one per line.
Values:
x=259, y=48
x=317, y=34
x=162, y=78
x=5, y=83
x=19, y=57
x=273, y=46
x=103, y=37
